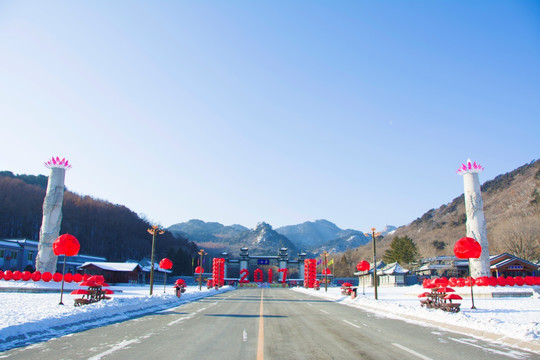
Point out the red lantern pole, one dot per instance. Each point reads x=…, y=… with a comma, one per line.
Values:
x=201, y=253
x=62, y=288
x=66, y=245
x=468, y=248
x=154, y=230
x=325, y=256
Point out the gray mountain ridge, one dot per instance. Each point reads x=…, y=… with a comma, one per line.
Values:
x=312, y=237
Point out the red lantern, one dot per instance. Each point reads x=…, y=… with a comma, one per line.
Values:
x=67, y=245
x=327, y=272
x=199, y=270
x=452, y=281
x=77, y=278
x=482, y=281
x=26, y=275
x=68, y=277
x=1, y=274
x=529, y=280
x=8, y=275
x=460, y=282
x=501, y=281
x=46, y=276
x=510, y=281
x=165, y=264
x=492, y=281
x=466, y=248
x=258, y=275
x=17, y=275
x=57, y=277
x=362, y=266
x=36, y=276
x=520, y=281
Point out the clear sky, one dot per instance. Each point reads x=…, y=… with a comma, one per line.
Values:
x=359, y=112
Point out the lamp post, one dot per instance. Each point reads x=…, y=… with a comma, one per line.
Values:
x=325, y=255
x=154, y=230
x=373, y=235
x=201, y=253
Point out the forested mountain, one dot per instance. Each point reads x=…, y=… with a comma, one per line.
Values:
x=103, y=229
x=217, y=238
x=512, y=212
x=319, y=235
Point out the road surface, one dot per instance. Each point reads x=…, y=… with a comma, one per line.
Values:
x=266, y=324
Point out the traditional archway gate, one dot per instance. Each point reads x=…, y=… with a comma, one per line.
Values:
x=249, y=267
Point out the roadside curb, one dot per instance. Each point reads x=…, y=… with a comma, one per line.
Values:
x=531, y=345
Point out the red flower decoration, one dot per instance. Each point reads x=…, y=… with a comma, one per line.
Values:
x=165, y=264
x=67, y=245
x=467, y=248
x=362, y=266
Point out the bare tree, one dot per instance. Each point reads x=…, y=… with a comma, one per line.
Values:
x=520, y=237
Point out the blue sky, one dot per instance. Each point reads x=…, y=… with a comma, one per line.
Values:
x=359, y=112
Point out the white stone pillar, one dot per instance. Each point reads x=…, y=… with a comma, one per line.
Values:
x=243, y=264
x=52, y=215
x=476, y=222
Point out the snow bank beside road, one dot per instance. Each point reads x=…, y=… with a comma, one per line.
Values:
x=513, y=317
x=31, y=317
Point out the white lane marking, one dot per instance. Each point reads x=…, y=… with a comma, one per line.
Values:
x=185, y=317
x=309, y=304
x=326, y=312
x=244, y=335
x=412, y=352
x=116, y=347
x=350, y=323
x=510, y=353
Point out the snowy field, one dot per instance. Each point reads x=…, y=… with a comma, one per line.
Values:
x=27, y=318
x=512, y=320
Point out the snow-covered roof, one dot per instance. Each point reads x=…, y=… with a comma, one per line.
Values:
x=112, y=266
x=392, y=269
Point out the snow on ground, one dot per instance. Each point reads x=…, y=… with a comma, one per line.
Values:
x=510, y=317
x=27, y=318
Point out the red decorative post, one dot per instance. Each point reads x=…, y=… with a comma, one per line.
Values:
x=468, y=248
x=363, y=266
x=165, y=264
x=66, y=245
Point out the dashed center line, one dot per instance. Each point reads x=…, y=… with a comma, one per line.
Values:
x=412, y=352
x=326, y=312
x=350, y=323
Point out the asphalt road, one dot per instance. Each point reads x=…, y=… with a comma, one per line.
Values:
x=265, y=324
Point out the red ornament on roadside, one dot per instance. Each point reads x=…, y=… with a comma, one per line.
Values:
x=46, y=276
x=166, y=264
x=362, y=266
x=17, y=275
x=67, y=245
x=467, y=248
x=26, y=275
x=8, y=275
x=36, y=276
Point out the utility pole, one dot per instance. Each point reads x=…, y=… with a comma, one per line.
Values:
x=154, y=230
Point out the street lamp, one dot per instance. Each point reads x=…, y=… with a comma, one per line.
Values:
x=201, y=253
x=374, y=260
x=325, y=254
x=154, y=230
